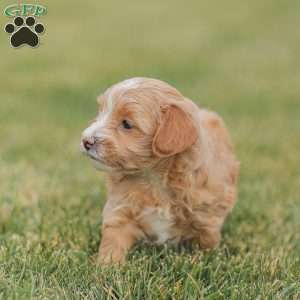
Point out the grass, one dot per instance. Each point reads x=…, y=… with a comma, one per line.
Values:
x=238, y=58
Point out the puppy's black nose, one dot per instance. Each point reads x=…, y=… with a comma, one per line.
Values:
x=88, y=143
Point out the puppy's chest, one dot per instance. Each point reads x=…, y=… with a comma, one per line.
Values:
x=158, y=224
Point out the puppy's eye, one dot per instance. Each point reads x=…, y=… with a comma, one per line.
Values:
x=126, y=124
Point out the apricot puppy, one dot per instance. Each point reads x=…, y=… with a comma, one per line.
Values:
x=171, y=171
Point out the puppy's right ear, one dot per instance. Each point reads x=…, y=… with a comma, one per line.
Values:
x=176, y=132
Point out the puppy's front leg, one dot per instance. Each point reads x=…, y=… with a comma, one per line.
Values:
x=116, y=241
x=209, y=238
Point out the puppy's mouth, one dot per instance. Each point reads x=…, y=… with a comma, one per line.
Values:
x=97, y=162
x=91, y=153
x=93, y=157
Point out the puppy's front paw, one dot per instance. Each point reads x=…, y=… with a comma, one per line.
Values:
x=116, y=242
x=108, y=255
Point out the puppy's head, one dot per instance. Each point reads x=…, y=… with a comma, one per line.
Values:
x=139, y=122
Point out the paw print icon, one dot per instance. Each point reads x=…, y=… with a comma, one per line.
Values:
x=24, y=31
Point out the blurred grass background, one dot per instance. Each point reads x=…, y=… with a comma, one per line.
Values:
x=239, y=58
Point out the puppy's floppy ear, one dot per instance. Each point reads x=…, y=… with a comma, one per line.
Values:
x=176, y=132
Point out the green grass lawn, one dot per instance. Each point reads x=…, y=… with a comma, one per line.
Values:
x=239, y=58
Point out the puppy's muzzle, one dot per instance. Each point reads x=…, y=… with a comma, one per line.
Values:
x=88, y=143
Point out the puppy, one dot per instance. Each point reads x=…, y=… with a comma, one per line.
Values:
x=171, y=171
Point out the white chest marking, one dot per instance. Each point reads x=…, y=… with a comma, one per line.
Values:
x=159, y=220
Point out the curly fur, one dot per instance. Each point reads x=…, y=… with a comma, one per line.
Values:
x=172, y=177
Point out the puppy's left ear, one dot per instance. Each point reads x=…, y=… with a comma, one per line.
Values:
x=176, y=132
